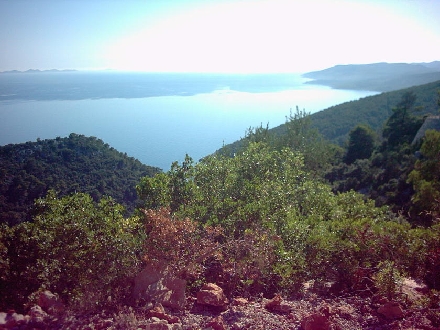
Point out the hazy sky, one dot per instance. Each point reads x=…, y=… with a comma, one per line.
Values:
x=215, y=35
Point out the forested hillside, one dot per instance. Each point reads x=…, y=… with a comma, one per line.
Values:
x=67, y=165
x=336, y=122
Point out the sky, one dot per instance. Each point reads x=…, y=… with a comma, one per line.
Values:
x=228, y=36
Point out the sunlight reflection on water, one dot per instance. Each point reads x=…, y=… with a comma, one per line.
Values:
x=160, y=130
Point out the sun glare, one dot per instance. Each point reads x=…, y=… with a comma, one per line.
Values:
x=267, y=36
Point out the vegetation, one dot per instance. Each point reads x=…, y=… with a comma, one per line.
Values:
x=337, y=121
x=384, y=175
x=67, y=165
x=82, y=250
x=425, y=177
x=266, y=189
x=361, y=144
x=279, y=211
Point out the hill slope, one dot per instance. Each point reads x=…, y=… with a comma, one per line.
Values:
x=336, y=122
x=73, y=164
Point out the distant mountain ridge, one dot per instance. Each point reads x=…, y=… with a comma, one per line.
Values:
x=38, y=71
x=81, y=85
x=381, y=77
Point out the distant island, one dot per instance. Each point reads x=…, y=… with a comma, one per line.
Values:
x=380, y=77
x=38, y=71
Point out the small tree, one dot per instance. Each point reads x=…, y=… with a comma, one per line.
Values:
x=361, y=143
x=153, y=191
x=402, y=126
x=302, y=137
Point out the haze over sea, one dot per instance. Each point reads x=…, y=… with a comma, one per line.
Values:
x=156, y=118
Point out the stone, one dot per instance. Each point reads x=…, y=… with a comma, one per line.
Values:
x=175, y=295
x=216, y=323
x=37, y=311
x=345, y=312
x=104, y=324
x=154, y=283
x=212, y=295
x=325, y=309
x=391, y=310
x=11, y=320
x=50, y=303
x=151, y=274
x=158, y=324
x=159, y=312
x=276, y=305
x=2, y=319
x=315, y=321
x=240, y=301
x=413, y=291
x=37, y=314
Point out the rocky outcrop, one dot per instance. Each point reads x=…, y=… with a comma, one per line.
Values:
x=155, y=284
x=431, y=122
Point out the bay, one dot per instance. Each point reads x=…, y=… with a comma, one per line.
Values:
x=158, y=130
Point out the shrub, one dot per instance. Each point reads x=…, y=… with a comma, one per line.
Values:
x=4, y=260
x=76, y=248
x=180, y=244
x=248, y=264
x=203, y=253
x=19, y=279
x=264, y=192
x=388, y=280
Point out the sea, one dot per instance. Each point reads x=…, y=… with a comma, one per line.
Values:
x=157, y=118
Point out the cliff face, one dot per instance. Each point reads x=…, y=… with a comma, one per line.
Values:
x=431, y=122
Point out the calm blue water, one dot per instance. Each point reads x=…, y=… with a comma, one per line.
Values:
x=157, y=130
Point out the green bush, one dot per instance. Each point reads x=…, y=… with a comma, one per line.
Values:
x=263, y=191
x=388, y=280
x=76, y=248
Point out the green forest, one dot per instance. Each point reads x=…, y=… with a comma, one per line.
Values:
x=336, y=122
x=280, y=208
x=67, y=165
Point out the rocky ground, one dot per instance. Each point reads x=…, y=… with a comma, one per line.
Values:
x=211, y=310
